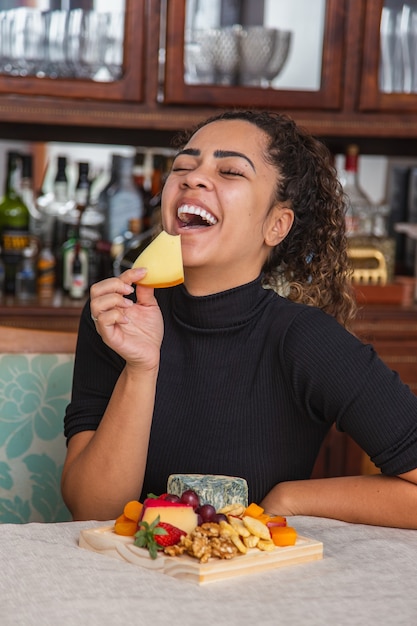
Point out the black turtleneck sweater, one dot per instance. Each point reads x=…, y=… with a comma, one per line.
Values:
x=249, y=384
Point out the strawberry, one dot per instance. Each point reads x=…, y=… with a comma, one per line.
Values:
x=172, y=537
x=156, y=536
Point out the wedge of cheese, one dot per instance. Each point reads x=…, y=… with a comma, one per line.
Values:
x=178, y=514
x=163, y=260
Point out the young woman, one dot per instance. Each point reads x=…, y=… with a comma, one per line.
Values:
x=243, y=369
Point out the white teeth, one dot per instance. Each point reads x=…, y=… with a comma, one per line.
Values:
x=190, y=209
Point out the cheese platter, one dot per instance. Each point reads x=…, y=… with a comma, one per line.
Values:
x=104, y=540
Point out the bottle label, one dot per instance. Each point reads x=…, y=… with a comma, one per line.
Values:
x=78, y=286
x=14, y=241
x=68, y=260
x=46, y=277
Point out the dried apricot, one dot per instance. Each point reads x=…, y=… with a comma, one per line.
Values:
x=128, y=529
x=133, y=510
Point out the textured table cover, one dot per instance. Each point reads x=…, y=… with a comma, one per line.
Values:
x=368, y=577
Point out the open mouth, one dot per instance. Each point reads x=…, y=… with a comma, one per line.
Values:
x=194, y=216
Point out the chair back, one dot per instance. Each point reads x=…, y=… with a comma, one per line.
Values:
x=36, y=369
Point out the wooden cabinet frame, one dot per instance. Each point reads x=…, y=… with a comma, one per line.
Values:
x=371, y=98
x=127, y=88
x=328, y=97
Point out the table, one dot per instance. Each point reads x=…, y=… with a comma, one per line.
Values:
x=368, y=576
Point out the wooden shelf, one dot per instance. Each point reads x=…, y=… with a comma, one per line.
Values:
x=58, y=313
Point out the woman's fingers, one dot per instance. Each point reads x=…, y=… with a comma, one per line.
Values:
x=122, y=284
x=109, y=295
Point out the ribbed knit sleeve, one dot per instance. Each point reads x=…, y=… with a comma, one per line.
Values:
x=96, y=370
x=334, y=374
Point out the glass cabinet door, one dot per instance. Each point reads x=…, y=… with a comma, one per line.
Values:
x=73, y=48
x=254, y=52
x=389, y=74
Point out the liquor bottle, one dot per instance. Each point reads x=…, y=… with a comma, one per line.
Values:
x=142, y=176
x=60, y=185
x=102, y=201
x=72, y=245
x=14, y=222
x=123, y=200
x=46, y=271
x=82, y=188
x=359, y=214
x=78, y=284
x=2, y=275
x=28, y=196
x=55, y=214
x=121, y=245
x=25, y=284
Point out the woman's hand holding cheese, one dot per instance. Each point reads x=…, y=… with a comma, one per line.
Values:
x=133, y=329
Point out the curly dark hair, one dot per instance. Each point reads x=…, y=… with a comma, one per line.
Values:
x=311, y=264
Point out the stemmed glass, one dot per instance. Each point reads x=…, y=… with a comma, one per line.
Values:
x=279, y=57
x=74, y=23
x=5, y=42
x=413, y=49
x=256, y=48
x=93, y=37
x=113, y=52
x=55, y=64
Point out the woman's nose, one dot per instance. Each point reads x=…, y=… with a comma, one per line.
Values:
x=197, y=177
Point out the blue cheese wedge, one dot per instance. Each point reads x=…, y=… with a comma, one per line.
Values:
x=216, y=490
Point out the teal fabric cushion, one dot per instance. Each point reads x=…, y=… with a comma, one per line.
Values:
x=34, y=392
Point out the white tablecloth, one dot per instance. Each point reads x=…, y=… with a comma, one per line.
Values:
x=368, y=576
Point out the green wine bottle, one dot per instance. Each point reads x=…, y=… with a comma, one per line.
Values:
x=14, y=223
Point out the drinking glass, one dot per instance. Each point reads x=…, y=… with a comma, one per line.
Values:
x=279, y=57
x=390, y=51
x=74, y=22
x=405, y=36
x=199, y=57
x=114, y=39
x=226, y=55
x=413, y=49
x=5, y=41
x=55, y=63
x=256, y=49
x=93, y=37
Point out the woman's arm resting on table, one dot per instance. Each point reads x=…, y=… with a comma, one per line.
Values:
x=378, y=500
x=104, y=469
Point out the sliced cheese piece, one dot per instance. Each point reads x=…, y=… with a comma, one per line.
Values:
x=163, y=261
x=180, y=515
x=212, y=489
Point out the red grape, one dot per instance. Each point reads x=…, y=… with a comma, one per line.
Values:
x=220, y=517
x=170, y=497
x=207, y=512
x=190, y=497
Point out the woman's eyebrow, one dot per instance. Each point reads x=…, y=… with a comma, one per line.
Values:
x=219, y=154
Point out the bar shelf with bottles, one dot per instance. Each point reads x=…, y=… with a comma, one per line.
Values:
x=78, y=211
x=74, y=234
x=381, y=271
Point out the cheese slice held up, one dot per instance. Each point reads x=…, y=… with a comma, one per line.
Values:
x=163, y=261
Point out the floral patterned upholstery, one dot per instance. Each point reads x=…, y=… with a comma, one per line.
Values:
x=34, y=391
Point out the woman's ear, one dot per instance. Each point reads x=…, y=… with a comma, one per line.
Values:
x=278, y=224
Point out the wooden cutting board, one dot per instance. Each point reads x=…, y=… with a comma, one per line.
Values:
x=105, y=541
